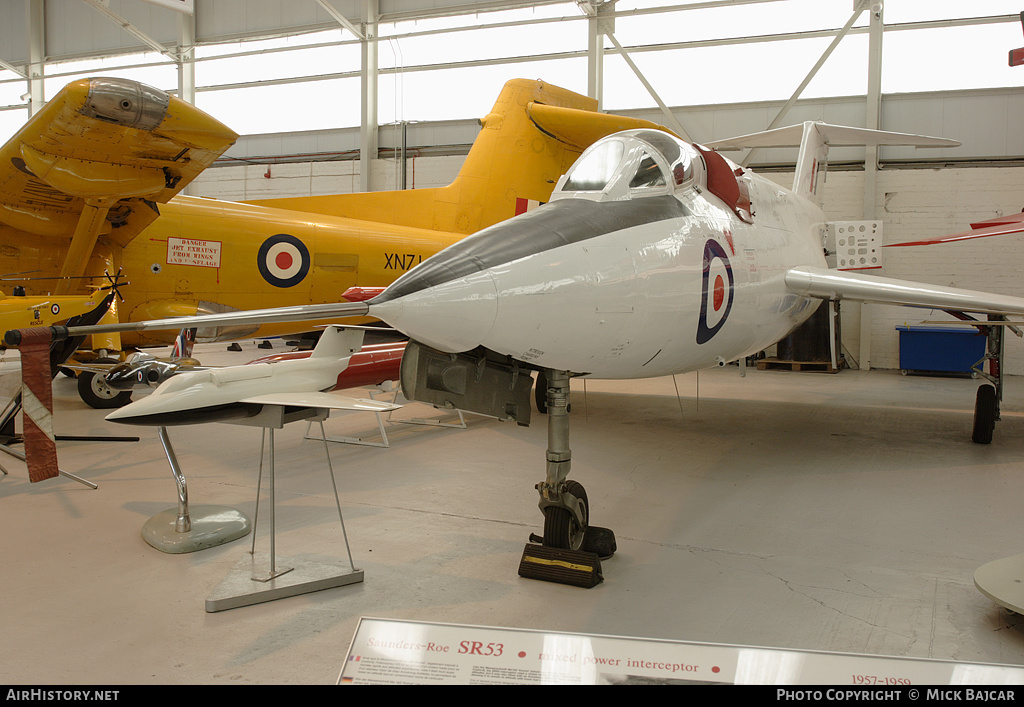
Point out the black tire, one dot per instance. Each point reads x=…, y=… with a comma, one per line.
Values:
x=986, y=409
x=540, y=393
x=93, y=389
x=561, y=529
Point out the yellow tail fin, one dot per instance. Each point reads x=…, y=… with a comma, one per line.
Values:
x=529, y=139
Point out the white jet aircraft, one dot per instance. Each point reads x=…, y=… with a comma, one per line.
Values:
x=654, y=257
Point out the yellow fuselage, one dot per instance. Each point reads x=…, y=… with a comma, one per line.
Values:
x=205, y=255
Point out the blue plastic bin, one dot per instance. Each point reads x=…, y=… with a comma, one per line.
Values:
x=939, y=349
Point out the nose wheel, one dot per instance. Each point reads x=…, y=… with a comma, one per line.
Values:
x=565, y=528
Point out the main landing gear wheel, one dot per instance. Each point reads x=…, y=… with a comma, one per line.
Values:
x=93, y=389
x=561, y=528
x=540, y=393
x=986, y=412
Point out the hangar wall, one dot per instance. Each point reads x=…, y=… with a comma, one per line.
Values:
x=915, y=203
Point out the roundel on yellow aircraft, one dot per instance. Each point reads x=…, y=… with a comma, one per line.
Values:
x=283, y=260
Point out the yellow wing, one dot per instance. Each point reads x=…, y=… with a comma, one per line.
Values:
x=43, y=311
x=96, y=161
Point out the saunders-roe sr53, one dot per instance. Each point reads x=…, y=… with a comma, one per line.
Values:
x=654, y=257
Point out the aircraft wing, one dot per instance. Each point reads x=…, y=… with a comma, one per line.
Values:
x=113, y=144
x=321, y=400
x=296, y=313
x=835, y=284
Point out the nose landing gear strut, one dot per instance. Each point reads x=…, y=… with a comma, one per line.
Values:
x=571, y=549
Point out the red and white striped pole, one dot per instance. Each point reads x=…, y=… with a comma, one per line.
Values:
x=37, y=404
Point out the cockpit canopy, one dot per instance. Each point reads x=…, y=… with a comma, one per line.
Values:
x=630, y=164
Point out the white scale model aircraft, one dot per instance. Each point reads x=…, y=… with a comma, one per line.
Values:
x=654, y=257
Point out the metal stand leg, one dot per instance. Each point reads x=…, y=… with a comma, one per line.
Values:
x=358, y=440
x=18, y=455
x=181, y=529
x=258, y=578
x=183, y=524
x=7, y=419
x=337, y=500
x=272, y=572
x=460, y=425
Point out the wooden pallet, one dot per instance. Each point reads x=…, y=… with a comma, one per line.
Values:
x=777, y=364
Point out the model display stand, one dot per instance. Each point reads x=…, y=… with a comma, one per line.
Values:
x=262, y=577
x=394, y=390
x=384, y=443
x=184, y=529
x=8, y=435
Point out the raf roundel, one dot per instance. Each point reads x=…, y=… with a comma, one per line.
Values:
x=717, y=294
x=283, y=260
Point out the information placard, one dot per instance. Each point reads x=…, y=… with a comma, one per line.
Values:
x=385, y=651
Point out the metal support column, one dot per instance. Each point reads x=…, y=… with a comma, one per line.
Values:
x=368, y=140
x=186, y=58
x=872, y=120
x=36, y=54
x=596, y=28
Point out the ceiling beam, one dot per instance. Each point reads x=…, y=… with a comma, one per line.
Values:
x=340, y=18
x=101, y=7
x=11, y=67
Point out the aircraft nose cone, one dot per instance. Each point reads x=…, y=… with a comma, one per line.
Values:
x=449, y=301
x=454, y=316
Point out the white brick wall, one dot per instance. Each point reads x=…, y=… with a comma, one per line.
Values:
x=242, y=183
x=926, y=203
x=913, y=204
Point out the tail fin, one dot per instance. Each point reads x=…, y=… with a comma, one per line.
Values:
x=183, y=343
x=529, y=139
x=338, y=342
x=815, y=138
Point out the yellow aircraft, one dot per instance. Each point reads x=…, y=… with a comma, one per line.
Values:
x=91, y=185
x=29, y=312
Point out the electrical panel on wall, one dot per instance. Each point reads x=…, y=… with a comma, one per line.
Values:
x=854, y=245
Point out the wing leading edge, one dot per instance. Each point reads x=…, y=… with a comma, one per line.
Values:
x=834, y=284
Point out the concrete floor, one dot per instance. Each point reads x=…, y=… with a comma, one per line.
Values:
x=842, y=512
